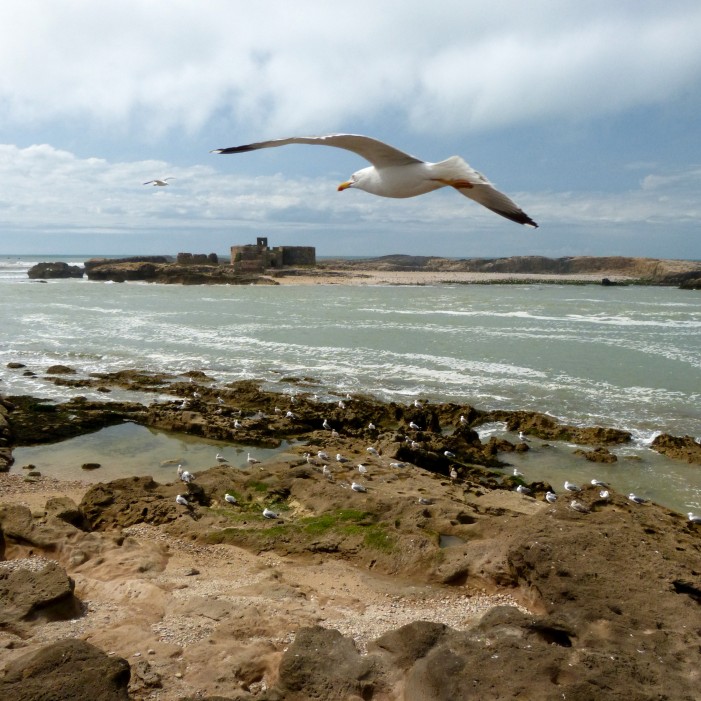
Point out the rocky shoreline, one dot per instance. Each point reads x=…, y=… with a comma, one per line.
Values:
x=395, y=269
x=428, y=584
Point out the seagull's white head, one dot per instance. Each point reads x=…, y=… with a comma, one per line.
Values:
x=362, y=179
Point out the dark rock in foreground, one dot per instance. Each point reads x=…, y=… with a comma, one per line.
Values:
x=35, y=589
x=69, y=670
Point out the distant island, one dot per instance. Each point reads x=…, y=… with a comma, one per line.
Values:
x=200, y=269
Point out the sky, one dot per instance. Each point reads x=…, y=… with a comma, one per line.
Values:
x=587, y=114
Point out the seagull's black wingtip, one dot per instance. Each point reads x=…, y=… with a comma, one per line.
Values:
x=233, y=149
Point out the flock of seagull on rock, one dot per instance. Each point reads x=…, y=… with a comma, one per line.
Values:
x=322, y=458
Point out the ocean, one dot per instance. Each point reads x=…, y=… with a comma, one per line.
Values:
x=622, y=356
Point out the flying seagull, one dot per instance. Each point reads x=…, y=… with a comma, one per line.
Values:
x=158, y=182
x=393, y=173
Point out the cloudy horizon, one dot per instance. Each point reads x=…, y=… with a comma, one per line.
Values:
x=585, y=115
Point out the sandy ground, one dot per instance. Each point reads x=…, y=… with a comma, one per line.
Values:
x=35, y=492
x=177, y=607
x=381, y=277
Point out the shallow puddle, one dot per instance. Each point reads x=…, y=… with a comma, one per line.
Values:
x=130, y=450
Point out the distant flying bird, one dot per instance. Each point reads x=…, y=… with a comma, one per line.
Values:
x=393, y=173
x=159, y=183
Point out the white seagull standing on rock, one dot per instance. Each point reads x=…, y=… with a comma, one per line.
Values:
x=393, y=173
x=636, y=499
x=693, y=518
x=180, y=499
x=251, y=460
x=221, y=459
x=267, y=513
x=187, y=477
x=550, y=497
x=579, y=506
x=572, y=487
x=358, y=487
x=230, y=498
x=372, y=451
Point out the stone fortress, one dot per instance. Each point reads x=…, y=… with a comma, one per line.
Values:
x=252, y=258
x=255, y=258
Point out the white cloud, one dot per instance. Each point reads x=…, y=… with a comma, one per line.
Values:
x=281, y=67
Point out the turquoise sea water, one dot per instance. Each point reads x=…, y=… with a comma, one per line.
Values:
x=628, y=357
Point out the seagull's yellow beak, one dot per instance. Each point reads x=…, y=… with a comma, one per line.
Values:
x=344, y=186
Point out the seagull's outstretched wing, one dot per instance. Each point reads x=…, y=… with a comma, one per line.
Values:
x=378, y=153
x=471, y=183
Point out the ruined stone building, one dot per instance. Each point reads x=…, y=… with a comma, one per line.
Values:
x=258, y=257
